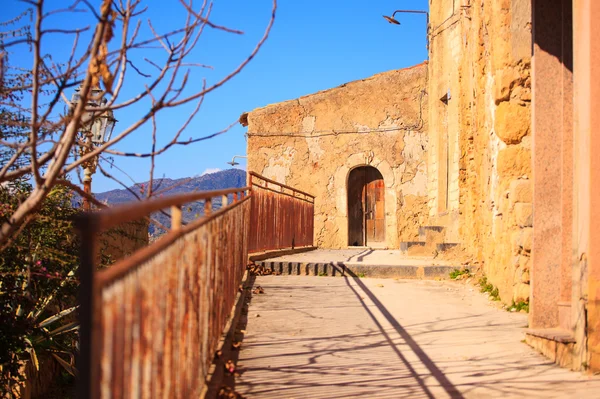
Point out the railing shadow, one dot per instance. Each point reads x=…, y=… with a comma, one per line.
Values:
x=427, y=362
x=323, y=337
x=360, y=255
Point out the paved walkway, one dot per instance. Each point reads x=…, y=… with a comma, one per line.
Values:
x=341, y=337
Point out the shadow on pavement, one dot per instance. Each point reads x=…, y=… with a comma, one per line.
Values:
x=433, y=369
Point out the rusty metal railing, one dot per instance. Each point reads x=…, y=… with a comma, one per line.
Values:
x=282, y=217
x=150, y=323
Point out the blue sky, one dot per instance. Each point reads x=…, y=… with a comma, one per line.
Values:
x=314, y=45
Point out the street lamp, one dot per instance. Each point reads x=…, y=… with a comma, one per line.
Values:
x=96, y=130
x=233, y=163
x=394, y=21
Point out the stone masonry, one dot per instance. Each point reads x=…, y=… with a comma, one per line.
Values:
x=313, y=143
x=480, y=142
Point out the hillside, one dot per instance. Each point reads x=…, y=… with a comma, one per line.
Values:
x=229, y=178
x=214, y=181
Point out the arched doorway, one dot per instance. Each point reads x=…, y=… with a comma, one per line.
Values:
x=366, y=207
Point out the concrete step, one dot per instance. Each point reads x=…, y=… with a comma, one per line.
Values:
x=343, y=269
x=433, y=234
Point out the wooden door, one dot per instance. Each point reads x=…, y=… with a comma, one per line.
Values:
x=366, y=207
x=374, y=206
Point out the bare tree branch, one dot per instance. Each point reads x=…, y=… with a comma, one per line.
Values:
x=172, y=143
x=137, y=197
x=55, y=143
x=80, y=191
x=35, y=93
x=60, y=157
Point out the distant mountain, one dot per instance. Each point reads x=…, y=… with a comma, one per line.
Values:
x=230, y=178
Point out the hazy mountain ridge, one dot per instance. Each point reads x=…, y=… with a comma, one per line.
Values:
x=223, y=179
x=230, y=178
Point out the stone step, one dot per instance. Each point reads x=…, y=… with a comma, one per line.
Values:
x=445, y=246
x=422, y=248
x=417, y=248
x=406, y=245
x=433, y=234
x=342, y=269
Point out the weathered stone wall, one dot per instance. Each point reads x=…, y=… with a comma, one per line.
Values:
x=121, y=241
x=313, y=143
x=480, y=53
x=444, y=112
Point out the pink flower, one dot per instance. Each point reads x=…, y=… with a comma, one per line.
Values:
x=43, y=269
x=39, y=262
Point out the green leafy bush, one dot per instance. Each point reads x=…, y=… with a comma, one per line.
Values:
x=38, y=284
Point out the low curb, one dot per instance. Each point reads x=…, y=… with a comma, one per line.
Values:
x=358, y=270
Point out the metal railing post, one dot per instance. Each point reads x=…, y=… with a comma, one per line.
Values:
x=87, y=386
x=207, y=207
x=176, y=217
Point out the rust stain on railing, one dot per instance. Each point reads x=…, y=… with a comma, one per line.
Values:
x=282, y=217
x=150, y=323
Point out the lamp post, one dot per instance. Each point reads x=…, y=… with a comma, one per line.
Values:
x=233, y=163
x=95, y=130
x=394, y=21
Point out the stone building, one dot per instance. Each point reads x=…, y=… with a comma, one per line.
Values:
x=512, y=156
x=480, y=176
x=500, y=151
x=369, y=134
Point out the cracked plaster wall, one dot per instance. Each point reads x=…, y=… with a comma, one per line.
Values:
x=312, y=143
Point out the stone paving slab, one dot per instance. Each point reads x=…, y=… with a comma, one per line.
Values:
x=360, y=262
x=324, y=337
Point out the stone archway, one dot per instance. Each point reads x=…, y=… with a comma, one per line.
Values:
x=339, y=187
x=366, y=207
